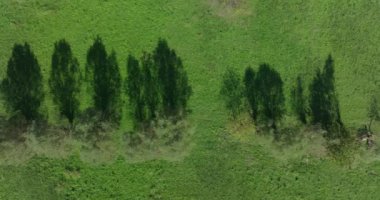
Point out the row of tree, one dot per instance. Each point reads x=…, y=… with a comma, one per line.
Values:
x=156, y=86
x=324, y=104
x=263, y=91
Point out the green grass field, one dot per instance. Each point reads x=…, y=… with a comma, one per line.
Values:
x=217, y=161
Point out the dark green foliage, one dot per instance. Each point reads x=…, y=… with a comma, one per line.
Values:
x=172, y=79
x=163, y=58
x=134, y=79
x=270, y=94
x=134, y=88
x=96, y=58
x=251, y=91
x=159, y=87
x=373, y=112
x=328, y=73
x=232, y=92
x=185, y=90
x=65, y=80
x=264, y=92
x=299, y=101
x=318, y=100
x=324, y=103
x=150, y=90
x=22, y=86
x=112, y=87
x=103, y=72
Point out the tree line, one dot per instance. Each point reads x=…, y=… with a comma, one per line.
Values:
x=263, y=92
x=156, y=85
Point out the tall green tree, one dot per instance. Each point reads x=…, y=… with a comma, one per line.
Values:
x=319, y=102
x=134, y=89
x=22, y=86
x=270, y=94
x=134, y=79
x=251, y=91
x=113, y=88
x=299, y=101
x=96, y=58
x=172, y=79
x=103, y=72
x=324, y=104
x=185, y=90
x=329, y=75
x=164, y=59
x=232, y=92
x=65, y=80
x=150, y=83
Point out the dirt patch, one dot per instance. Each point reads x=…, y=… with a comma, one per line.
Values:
x=294, y=141
x=94, y=141
x=167, y=140
x=241, y=127
x=230, y=9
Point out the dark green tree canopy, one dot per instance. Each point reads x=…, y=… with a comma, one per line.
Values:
x=173, y=84
x=324, y=103
x=185, y=90
x=298, y=101
x=328, y=75
x=270, y=93
x=165, y=59
x=318, y=99
x=103, y=72
x=134, y=79
x=157, y=85
x=22, y=86
x=96, y=57
x=251, y=91
x=150, y=83
x=65, y=80
x=232, y=92
x=134, y=89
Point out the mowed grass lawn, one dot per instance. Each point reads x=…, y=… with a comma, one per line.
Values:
x=295, y=37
